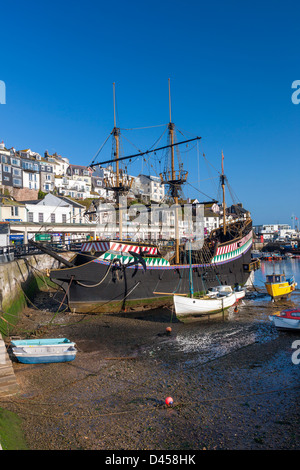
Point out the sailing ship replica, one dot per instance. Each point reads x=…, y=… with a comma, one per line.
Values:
x=114, y=275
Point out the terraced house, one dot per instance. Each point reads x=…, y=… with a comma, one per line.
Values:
x=11, y=174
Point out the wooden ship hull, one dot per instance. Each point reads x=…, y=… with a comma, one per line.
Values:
x=111, y=276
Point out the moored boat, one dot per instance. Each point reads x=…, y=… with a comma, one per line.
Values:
x=205, y=305
x=278, y=286
x=43, y=351
x=286, y=319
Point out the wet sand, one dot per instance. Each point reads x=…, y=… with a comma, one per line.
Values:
x=233, y=382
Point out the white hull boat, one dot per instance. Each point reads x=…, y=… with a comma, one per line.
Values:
x=193, y=306
x=287, y=320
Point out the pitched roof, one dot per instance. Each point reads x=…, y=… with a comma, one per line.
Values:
x=70, y=201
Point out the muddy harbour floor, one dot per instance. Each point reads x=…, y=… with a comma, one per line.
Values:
x=233, y=382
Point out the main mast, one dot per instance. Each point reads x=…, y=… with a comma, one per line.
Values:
x=223, y=188
x=174, y=180
x=171, y=133
x=116, y=134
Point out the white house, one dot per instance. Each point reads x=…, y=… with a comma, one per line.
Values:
x=53, y=210
x=211, y=221
x=75, y=188
x=61, y=164
x=148, y=188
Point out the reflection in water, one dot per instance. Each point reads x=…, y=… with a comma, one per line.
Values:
x=290, y=267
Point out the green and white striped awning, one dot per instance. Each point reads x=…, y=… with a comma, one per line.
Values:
x=125, y=259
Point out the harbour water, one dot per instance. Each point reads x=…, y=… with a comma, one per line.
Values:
x=290, y=267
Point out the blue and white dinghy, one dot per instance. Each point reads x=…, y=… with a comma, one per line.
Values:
x=41, y=351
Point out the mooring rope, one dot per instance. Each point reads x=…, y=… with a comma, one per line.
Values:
x=98, y=283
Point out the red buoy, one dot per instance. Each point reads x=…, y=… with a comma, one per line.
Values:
x=169, y=401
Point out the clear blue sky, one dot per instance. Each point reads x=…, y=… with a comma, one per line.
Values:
x=231, y=66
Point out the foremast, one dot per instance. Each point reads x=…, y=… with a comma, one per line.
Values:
x=118, y=183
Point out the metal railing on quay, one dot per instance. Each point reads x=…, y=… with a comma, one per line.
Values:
x=11, y=252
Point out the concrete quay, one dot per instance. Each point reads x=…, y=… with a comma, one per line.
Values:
x=8, y=382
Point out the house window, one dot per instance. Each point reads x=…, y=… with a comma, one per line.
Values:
x=16, y=172
x=30, y=216
x=41, y=217
x=27, y=166
x=17, y=182
x=14, y=211
x=64, y=218
x=7, y=169
x=53, y=218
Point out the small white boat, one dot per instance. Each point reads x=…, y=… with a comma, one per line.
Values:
x=286, y=319
x=35, y=351
x=240, y=292
x=217, y=300
x=193, y=306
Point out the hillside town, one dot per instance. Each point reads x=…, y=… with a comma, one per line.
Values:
x=50, y=194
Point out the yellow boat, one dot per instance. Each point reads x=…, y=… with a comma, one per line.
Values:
x=278, y=286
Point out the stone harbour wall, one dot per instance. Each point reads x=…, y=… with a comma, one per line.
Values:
x=20, y=278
